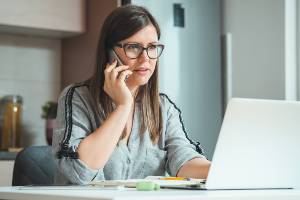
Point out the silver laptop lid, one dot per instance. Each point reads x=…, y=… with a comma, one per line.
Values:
x=258, y=146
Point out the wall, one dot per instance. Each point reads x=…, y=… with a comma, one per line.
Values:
x=190, y=67
x=30, y=67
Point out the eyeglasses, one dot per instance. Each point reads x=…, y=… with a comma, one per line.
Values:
x=134, y=50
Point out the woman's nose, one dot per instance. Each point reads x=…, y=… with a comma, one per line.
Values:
x=144, y=55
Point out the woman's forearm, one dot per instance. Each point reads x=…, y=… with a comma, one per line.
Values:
x=195, y=168
x=95, y=149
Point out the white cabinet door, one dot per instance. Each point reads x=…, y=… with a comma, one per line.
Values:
x=6, y=172
x=54, y=17
x=257, y=29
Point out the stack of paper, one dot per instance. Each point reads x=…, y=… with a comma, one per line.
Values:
x=153, y=179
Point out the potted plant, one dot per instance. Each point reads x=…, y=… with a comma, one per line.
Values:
x=49, y=111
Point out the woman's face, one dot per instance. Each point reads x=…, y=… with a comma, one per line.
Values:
x=142, y=66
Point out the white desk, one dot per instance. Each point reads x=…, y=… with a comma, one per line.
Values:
x=61, y=193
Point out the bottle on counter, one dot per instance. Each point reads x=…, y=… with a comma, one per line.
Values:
x=10, y=121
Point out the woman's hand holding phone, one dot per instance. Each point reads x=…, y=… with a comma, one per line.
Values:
x=114, y=84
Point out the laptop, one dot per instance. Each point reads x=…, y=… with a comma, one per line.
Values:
x=258, y=146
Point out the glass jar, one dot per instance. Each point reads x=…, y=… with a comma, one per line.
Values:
x=10, y=121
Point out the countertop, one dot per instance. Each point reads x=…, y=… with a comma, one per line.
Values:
x=5, y=155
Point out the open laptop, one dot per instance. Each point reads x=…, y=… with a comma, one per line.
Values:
x=258, y=146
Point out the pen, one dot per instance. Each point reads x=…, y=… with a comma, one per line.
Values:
x=175, y=178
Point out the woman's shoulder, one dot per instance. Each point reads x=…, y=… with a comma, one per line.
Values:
x=80, y=89
x=166, y=102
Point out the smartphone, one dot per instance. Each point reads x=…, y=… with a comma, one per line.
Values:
x=113, y=56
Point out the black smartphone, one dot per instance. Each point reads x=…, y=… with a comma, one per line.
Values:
x=113, y=56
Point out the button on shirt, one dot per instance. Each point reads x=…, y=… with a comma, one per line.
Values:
x=137, y=159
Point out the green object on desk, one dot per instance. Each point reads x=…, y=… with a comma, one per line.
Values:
x=147, y=186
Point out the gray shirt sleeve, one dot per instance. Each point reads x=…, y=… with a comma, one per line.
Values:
x=74, y=170
x=178, y=146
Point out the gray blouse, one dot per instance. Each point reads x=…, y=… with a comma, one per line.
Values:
x=77, y=118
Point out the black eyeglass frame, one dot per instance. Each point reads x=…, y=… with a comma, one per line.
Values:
x=143, y=49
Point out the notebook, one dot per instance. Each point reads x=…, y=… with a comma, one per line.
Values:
x=258, y=146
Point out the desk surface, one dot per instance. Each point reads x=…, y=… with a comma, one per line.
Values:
x=83, y=193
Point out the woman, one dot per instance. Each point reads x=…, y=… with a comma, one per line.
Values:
x=116, y=125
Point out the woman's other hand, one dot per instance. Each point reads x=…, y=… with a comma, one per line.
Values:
x=114, y=84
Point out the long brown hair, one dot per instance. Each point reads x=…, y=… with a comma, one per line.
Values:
x=122, y=23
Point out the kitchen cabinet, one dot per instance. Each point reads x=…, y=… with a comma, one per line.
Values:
x=55, y=18
x=256, y=48
x=6, y=172
x=7, y=161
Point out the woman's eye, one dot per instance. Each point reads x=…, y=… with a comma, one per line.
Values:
x=133, y=47
x=152, y=47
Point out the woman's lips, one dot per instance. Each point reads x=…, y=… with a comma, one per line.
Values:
x=142, y=72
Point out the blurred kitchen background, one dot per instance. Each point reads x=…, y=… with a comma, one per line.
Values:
x=215, y=50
